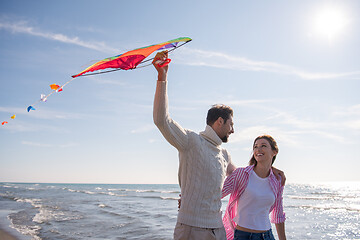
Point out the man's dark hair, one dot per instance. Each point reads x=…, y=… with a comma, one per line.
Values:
x=216, y=111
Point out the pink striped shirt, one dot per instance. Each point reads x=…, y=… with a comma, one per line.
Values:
x=235, y=185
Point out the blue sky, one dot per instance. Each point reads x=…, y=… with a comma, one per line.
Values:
x=288, y=68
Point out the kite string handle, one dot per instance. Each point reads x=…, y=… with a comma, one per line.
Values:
x=164, y=63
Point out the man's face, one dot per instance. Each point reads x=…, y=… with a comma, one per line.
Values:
x=226, y=129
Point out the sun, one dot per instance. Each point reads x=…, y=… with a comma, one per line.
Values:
x=330, y=22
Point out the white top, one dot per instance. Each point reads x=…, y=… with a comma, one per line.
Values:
x=202, y=166
x=255, y=203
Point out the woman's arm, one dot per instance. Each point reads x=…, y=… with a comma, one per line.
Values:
x=277, y=213
x=229, y=183
x=280, y=229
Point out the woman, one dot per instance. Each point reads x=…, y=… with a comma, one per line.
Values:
x=255, y=192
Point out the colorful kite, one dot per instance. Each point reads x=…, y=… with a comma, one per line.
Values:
x=30, y=108
x=56, y=87
x=131, y=59
x=127, y=61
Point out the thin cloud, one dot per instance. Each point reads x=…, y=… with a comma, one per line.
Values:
x=144, y=129
x=23, y=28
x=248, y=135
x=249, y=103
x=352, y=115
x=226, y=61
x=354, y=125
x=279, y=122
x=198, y=57
x=47, y=145
x=289, y=119
x=349, y=111
x=13, y=110
x=288, y=138
x=44, y=113
x=110, y=82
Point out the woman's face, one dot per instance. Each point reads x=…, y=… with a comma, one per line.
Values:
x=263, y=152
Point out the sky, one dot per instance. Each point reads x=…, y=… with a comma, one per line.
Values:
x=290, y=69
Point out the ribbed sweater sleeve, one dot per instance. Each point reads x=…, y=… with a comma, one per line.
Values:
x=170, y=129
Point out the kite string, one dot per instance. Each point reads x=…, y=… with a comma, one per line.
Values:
x=43, y=98
x=57, y=90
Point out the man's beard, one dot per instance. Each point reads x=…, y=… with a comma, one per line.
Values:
x=224, y=139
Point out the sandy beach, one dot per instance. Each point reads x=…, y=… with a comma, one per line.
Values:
x=6, y=236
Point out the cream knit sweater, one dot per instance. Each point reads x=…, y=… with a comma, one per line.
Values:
x=202, y=166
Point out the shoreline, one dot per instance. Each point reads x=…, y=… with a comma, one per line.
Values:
x=6, y=232
x=4, y=235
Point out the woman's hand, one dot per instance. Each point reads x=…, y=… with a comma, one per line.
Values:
x=279, y=175
x=179, y=202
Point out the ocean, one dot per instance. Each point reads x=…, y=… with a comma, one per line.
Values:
x=42, y=211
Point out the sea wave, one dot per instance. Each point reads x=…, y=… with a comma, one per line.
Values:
x=22, y=222
x=159, y=197
x=326, y=208
x=124, y=216
x=310, y=197
x=35, y=202
x=32, y=231
x=87, y=211
x=46, y=215
x=142, y=190
x=112, y=192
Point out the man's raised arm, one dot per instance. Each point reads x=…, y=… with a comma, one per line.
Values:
x=171, y=130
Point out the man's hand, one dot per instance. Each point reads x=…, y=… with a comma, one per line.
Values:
x=162, y=71
x=279, y=175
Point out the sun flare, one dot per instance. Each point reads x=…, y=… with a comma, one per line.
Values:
x=330, y=22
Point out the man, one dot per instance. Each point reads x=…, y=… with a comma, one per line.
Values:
x=203, y=164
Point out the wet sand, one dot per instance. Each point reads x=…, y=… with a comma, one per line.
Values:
x=6, y=236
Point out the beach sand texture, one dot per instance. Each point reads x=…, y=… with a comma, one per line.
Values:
x=6, y=236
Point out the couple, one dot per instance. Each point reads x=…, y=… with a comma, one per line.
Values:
x=203, y=165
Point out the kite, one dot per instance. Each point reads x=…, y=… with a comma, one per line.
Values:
x=56, y=87
x=127, y=61
x=5, y=122
x=30, y=108
x=133, y=58
x=43, y=98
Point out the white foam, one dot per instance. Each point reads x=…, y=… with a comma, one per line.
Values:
x=34, y=201
x=46, y=215
x=169, y=198
x=89, y=192
x=32, y=230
